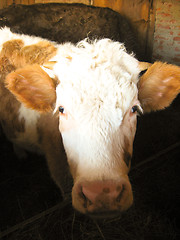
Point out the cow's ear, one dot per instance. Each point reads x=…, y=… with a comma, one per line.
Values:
x=33, y=87
x=159, y=86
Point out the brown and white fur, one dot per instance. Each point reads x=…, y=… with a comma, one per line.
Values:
x=97, y=90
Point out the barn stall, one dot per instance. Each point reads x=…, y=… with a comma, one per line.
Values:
x=31, y=206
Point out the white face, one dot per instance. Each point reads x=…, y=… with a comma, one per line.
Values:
x=96, y=96
x=97, y=137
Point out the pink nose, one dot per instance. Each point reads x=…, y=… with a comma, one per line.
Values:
x=103, y=196
x=95, y=189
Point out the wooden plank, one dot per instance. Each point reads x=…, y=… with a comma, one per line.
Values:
x=9, y=2
x=17, y=1
x=64, y=1
x=137, y=11
x=5, y=3
x=134, y=9
x=151, y=29
x=2, y=4
x=27, y=2
x=116, y=5
x=31, y=1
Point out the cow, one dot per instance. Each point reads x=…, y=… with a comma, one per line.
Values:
x=83, y=98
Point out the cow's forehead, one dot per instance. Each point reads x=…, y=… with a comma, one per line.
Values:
x=96, y=78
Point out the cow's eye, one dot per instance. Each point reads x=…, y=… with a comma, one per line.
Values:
x=61, y=109
x=137, y=109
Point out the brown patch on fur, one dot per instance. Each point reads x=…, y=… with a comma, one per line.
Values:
x=126, y=155
x=69, y=58
x=5, y=67
x=159, y=86
x=10, y=118
x=20, y=55
x=11, y=50
x=51, y=144
x=38, y=53
x=49, y=64
x=144, y=65
x=15, y=55
x=33, y=87
x=9, y=106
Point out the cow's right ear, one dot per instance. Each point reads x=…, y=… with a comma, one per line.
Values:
x=33, y=87
x=158, y=86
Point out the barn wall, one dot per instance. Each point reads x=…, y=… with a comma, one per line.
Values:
x=4, y=3
x=88, y=2
x=166, y=44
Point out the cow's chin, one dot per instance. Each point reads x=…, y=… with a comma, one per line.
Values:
x=102, y=199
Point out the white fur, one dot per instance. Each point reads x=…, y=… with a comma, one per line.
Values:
x=98, y=85
x=6, y=35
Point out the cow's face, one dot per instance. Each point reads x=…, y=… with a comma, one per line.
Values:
x=98, y=96
x=97, y=100
x=99, y=152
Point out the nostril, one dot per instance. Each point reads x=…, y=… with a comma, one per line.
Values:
x=88, y=194
x=120, y=195
x=99, y=191
x=86, y=202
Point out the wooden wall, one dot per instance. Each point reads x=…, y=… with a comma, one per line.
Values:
x=5, y=3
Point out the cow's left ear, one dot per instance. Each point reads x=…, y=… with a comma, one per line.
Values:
x=159, y=86
x=33, y=87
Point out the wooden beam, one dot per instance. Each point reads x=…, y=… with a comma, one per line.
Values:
x=63, y=1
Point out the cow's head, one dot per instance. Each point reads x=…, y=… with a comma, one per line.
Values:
x=98, y=96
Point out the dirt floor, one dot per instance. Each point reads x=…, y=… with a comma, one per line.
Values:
x=31, y=206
